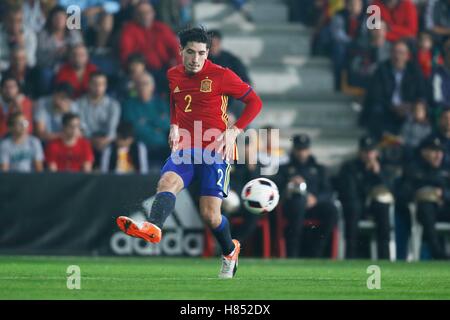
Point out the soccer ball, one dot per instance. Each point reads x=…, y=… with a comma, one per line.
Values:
x=231, y=203
x=260, y=195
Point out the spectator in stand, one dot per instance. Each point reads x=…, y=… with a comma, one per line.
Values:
x=53, y=45
x=347, y=26
x=395, y=86
x=150, y=118
x=13, y=33
x=35, y=13
x=175, y=13
x=363, y=191
x=124, y=15
x=426, y=182
x=77, y=71
x=154, y=39
x=126, y=83
x=99, y=114
x=416, y=128
x=443, y=134
x=71, y=152
x=12, y=101
x=19, y=151
x=125, y=154
x=49, y=111
x=308, y=194
x=22, y=72
x=440, y=80
x=363, y=58
x=101, y=45
x=225, y=58
x=437, y=18
x=426, y=57
x=400, y=17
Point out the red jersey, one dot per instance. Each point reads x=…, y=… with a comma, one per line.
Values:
x=203, y=97
x=5, y=111
x=69, y=158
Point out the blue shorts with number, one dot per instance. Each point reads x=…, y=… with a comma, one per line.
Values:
x=209, y=167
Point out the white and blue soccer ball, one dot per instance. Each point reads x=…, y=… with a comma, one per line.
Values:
x=260, y=196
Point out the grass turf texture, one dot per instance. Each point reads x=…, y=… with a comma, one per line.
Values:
x=32, y=277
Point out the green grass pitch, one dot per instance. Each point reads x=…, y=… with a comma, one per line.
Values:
x=32, y=277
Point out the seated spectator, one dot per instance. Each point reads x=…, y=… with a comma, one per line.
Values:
x=126, y=83
x=394, y=87
x=100, y=43
x=77, y=70
x=225, y=58
x=22, y=72
x=49, y=111
x=12, y=101
x=416, y=128
x=308, y=195
x=426, y=183
x=440, y=80
x=19, y=151
x=125, y=154
x=437, y=18
x=175, y=13
x=150, y=119
x=34, y=14
x=443, y=133
x=426, y=56
x=53, y=46
x=71, y=152
x=13, y=33
x=154, y=39
x=363, y=58
x=99, y=114
x=346, y=26
x=400, y=17
x=360, y=179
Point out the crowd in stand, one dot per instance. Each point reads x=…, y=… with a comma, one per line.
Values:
x=398, y=67
x=91, y=97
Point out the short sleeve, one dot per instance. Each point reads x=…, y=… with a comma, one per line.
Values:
x=233, y=86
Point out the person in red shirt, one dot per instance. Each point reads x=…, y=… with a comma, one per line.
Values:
x=400, y=17
x=153, y=39
x=199, y=91
x=71, y=152
x=12, y=101
x=77, y=70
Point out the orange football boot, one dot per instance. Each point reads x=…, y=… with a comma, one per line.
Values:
x=145, y=230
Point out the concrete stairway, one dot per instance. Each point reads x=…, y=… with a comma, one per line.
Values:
x=297, y=90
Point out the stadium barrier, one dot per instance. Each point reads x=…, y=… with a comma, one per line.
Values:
x=74, y=214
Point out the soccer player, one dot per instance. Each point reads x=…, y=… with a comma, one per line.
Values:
x=202, y=143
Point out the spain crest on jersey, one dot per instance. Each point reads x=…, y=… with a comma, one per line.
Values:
x=206, y=85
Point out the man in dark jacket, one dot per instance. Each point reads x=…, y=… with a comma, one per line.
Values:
x=428, y=184
x=307, y=191
x=363, y=191
x=395, y=86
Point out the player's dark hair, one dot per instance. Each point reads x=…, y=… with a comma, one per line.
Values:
x=68, y=117
x=198, y=34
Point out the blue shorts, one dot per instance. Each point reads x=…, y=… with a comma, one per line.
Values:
x=209, y=167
